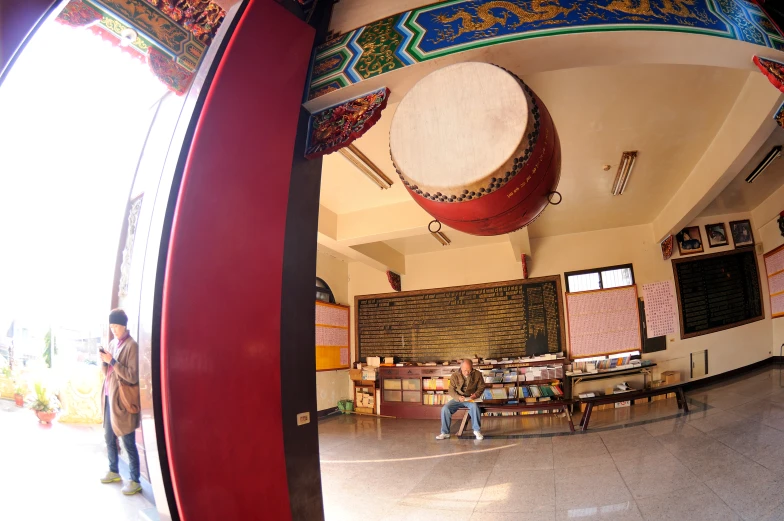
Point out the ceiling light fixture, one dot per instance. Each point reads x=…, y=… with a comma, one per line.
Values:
x=772, y=155
x=624, y=172
x=438, y=234
x=366, y=166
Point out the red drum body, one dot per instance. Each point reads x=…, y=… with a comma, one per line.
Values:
x=502, y=131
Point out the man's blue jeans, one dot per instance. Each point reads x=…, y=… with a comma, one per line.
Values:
x=453, y=405
x=129, y=441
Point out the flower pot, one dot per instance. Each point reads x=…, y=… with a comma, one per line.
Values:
x=19, y=400
x=45, y=417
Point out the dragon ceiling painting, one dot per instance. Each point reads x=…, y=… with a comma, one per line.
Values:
x=458, y=25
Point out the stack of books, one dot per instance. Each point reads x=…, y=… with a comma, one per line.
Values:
x=540, y=393
x=435, y=384
x=438, y=398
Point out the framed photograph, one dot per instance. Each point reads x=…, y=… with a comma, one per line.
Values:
x=741, y=233
x=690, y=241
x=717, y=235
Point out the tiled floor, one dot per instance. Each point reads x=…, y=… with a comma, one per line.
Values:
x=52, y=472
x=723, y=461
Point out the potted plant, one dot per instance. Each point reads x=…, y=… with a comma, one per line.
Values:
x=45, y=405
x=20, y=390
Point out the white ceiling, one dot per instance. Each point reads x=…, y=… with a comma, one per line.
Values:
x=740, y=196
x=669, y=113
x=418, y=244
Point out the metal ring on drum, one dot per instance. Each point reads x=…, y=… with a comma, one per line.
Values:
x=476, y=148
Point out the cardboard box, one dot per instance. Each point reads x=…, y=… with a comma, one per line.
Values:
x=355, y=374
x=671, y=377
x=370, y=373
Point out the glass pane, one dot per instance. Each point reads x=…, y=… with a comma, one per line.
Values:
x=411, y=384
x=584, y=282
x=393, y=396
x=411, y=396
x=617, y=278
x=392, y=383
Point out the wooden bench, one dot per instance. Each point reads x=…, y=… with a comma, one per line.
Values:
x=631, y=395
x=561, y=405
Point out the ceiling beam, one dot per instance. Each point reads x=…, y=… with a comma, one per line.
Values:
x=375, y=254
x=385, y=254
x=520, y=243
x=746, y=128
x=382, y=223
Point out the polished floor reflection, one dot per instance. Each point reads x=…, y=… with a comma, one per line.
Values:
x=52, y=472
x=723, y=461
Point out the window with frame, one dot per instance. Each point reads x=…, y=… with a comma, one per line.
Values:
x=599, y=278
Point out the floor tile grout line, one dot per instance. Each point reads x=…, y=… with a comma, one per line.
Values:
x=625, y=484
x=704, y=482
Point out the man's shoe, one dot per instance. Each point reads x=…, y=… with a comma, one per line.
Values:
x=478, y=435
x=111, y=477
x=442, y=436
x=131, y=488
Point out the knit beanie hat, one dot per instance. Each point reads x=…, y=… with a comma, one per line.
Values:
x=118, y=316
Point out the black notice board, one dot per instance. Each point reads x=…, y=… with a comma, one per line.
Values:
x=717, y=291
x=504, y=319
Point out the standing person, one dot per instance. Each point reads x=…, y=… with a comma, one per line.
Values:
x=465, y=385
x=121, y=400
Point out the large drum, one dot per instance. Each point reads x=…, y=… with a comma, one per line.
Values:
x=476, y=148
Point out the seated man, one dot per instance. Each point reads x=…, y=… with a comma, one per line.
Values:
x=464, y=385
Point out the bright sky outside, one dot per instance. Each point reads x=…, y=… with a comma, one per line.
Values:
x=74, y=113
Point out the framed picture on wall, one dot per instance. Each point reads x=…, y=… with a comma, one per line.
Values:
x=717, y=235
x=690, y=241
x=741, y=233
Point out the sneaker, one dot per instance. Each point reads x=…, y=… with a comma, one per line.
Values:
x=131, y=488
x=442, y=436
x=478, y=435
x=111, y=477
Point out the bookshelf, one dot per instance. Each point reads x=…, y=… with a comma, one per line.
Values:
x=420, y=391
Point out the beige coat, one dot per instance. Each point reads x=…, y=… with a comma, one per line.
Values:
x=127, y=368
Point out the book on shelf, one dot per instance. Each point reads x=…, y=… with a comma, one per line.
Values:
x=498, y=393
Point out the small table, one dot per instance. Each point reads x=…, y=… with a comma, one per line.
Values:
x=562, y=405
x=631, y=395
x=573, y=379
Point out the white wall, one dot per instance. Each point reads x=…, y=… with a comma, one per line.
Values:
x=332, y=386
x=555, y=255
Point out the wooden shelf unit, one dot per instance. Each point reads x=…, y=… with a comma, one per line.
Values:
x=403, y=389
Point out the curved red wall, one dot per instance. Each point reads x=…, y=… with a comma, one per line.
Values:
x=221, y=316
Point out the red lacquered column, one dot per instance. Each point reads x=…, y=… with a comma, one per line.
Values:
x=221, y=316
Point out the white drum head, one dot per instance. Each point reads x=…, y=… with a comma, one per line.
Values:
x=459, y=125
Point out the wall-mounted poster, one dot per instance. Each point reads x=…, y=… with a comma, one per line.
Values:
x=603, y=322
x=774, y=266
x=689, y=240
x=741, y=233
x=661, y=308
x=717, y=235
x=332, y=336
